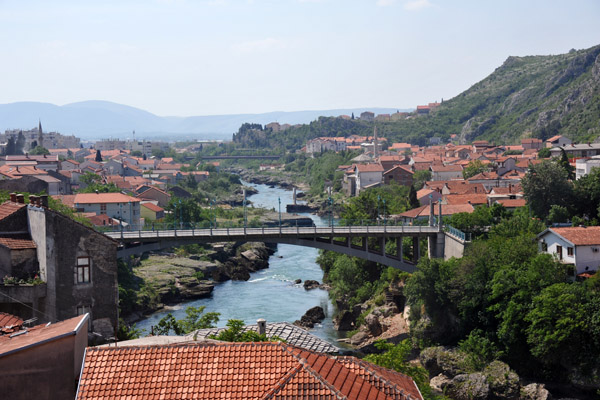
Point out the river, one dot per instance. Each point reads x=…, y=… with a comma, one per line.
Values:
x=270, y=293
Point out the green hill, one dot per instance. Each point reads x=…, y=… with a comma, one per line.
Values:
x=533, y=96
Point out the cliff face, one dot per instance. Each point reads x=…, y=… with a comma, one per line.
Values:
x=537, y=96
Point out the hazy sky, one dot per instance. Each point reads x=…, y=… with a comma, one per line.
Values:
x=185, y=57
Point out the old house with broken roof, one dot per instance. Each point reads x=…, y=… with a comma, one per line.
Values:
x=54, y=268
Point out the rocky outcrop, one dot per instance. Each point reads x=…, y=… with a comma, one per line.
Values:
x=242, y=260
x=535, y=391
x=311, y=284
x=311, y=317
x=468, y=387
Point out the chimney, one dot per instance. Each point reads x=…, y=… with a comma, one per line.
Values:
x=20, y=199
x=13, y=197
x=32, y=200
x=262, y=326
x=44, y=200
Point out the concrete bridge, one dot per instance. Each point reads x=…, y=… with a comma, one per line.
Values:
x=350, y=240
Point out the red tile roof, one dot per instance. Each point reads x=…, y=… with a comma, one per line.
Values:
x=8, y=321
x=466, y=198
x=153, y=207
x=8, y=208
x=234, y=371
x=17, y=243
x=95, y=198
x=369, y=168
x=580, y=236
x=512, y=203
x=40, y=334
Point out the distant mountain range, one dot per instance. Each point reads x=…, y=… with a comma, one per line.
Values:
x=103, y=119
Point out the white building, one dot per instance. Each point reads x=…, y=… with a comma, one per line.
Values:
x=321, y=144
x=583, y=166
x=116, y=205
x=366, y=175
x=446, y=172
x=578, y=246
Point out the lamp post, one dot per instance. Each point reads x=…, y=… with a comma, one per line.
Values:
x=384, y=215
x=214, y=202
x=279, y=199
x=330, y=211
x=245, y=215
x=378, y=211
x=180, y=215
x=121, y=217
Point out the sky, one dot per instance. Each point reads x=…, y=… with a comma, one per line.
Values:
x=206, y=57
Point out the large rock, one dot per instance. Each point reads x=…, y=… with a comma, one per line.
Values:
x=345, y=321
x=468, y=387
x=311, y=317
x=440, y=360
x=439, y=383
x=373, y=324
x=311, y=284
x=504, y=383
x=359, y=338
x=535, y=391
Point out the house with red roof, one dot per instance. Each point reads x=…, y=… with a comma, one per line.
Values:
x=578, y=246
x=366, y=175
x=152, y=212
x=446, y=172
x=147, y=192
x=558, y=141
x=235, y=371
x=116, y=205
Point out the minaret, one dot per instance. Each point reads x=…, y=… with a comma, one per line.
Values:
x=375, y=146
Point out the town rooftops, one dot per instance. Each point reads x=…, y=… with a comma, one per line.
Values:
x=95, y=198
x=40, y=334
x=235, y=371
x=446, y=168
x=153, y=207
x=579, y=236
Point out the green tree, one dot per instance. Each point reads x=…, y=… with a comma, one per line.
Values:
x=473, y=168
x=235, y=332
x=546, y=184
x=413, y=202
x=39, y=151
x=395, y=357
x=544, y=152
x=89, y=178
x=558, y=214
x=587, y=194
x=20, y=144
x=566, y=165
x=420, y=177
x=194, y=320
x=98, y=156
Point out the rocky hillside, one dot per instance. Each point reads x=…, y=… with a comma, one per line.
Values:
x=533, y=96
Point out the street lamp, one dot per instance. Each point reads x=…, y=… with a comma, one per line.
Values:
x=378, y=213
x=180, y=215
x=330, y=211
x=384, y=220
x=279, y=199
x=245, y=216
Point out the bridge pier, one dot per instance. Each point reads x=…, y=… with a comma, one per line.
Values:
x=416, y=249
x=436, y=245
x=399, y=249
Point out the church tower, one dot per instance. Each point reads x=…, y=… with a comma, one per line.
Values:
x=40, y=134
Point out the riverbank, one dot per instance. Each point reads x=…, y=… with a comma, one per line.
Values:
x=169, y=278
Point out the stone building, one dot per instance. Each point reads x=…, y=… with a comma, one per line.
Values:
x=76, y=267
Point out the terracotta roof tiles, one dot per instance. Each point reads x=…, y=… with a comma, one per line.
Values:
x=9, y=208
x=14, y=243
x=234, y=371
x=580, y=236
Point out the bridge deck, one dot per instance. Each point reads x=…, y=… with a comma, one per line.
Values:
x=233, y=234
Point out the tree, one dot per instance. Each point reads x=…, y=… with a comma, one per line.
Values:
x=413, y=202
x=473, y=168
x=544, y=185
x=566, y=165
x=89, y=178
x=236, y=333
x=98, y=156
x=587, y=194
x=39, y=151
x=20, y=144
x=420, y=177
x=558, y=214
x=136, y=153
x=544, y=152
x=193, y=320
x=352, y=116
x=144, y=157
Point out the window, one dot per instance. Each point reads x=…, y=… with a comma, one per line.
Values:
x=82, y=270
x=570, y=251
x=103, y=208
x=544, y=246
x=559, y=252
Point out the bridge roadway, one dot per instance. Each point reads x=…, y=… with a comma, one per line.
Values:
x=327, y=238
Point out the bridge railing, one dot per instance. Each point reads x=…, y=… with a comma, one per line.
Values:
x=231, y=224
x=465, y=237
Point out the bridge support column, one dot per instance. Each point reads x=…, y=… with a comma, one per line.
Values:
x=435, y=245
x=416, y=249
x=399, y=250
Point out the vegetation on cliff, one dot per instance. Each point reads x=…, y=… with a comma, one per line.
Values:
x=533, y=96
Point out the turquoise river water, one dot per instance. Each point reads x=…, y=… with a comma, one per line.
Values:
x=270, y=293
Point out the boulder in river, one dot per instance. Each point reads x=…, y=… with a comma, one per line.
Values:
x=311, y=317
x=311, y=284
x=298, y=281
